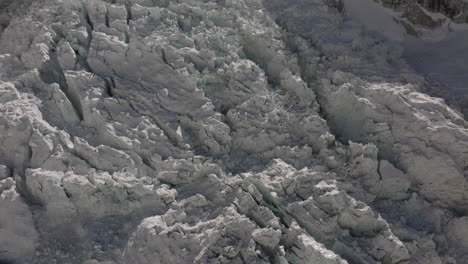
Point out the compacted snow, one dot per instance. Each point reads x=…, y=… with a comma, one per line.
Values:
x=375, y=17
x=439, y=54
x=444, y=63
x=234, y=131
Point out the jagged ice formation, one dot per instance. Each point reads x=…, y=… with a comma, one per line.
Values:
x=229, y=131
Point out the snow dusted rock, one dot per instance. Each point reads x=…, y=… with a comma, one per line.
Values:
x=202, y=132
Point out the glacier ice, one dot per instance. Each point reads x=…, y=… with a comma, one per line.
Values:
x=236, y=131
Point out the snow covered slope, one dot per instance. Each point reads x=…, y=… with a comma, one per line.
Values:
x=234, y=131
x=435, y=45
x=375, y=17
x=444, y=64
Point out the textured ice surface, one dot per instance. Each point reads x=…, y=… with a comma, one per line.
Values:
x=237, y=131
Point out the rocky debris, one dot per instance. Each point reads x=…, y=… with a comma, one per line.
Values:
x=209, y=132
